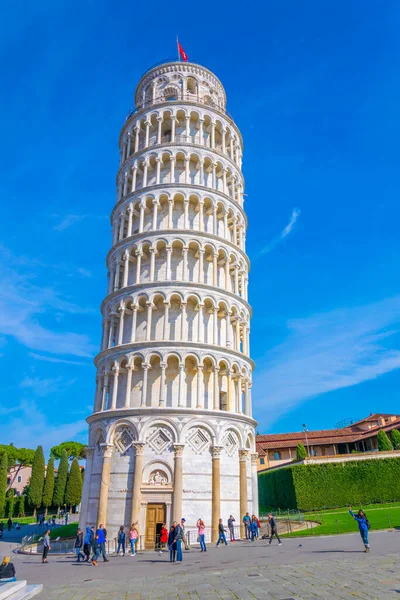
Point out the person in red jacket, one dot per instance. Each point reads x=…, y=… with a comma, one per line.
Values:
x=163, y=536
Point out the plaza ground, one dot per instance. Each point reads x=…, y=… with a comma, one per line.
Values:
x=329, y=568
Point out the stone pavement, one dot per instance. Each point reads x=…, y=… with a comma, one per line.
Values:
x=326, y=568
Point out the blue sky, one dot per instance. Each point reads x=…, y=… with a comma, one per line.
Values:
x=315, y=90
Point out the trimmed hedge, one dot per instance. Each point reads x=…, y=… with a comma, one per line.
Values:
x=330, y=485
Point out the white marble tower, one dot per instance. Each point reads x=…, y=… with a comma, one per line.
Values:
x=172, y=433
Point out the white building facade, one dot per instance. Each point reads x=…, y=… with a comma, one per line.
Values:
x=172, y=433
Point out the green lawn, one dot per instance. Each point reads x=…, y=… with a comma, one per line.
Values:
x=20, y=520
x=381, y=516
x=64, y=531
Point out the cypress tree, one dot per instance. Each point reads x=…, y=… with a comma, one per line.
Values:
x=37, y=480
x=21, y=506
x=396, y=439
x=73, y=492
x=301, y=452
x=3, y=482
x=48, y=490
x=10, y=504
x=61, y=481
x=384, y=442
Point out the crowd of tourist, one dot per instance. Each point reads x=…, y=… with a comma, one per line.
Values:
x=93, y=544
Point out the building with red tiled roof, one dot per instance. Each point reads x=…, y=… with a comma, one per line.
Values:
x=276, y=449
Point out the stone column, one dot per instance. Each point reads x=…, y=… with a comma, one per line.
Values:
x=115, y=388
x=215, y=492
x=185, y=263
x=160, y=120
x=134, y=177
x=134, y=319
x=158, y=172
x=148, y=326
x=137, y=138
x=162, y=384
x=178, y=482
x=152, y=263
x=181, y=384
x=201, y=215
x=137, y=482
x=183, y=320
x=187, y=170
x=215, y=269
x=170, y=211
x=243, y=489
x=173, y=129
x=186, y=214
x=130, y=220
x=86, y=488
x=201, y=266
x=246, y=398
x=155, y=211
x=146, y=143
x=168, y=266
x=166, y=319
x=141, y=217
x=254, y=483
x=128, y=386
x=144, y=384
x=199, y=400
x=215, y=221
x=104, y=393
x=104, y=484
x=121, y=326
x=138, y=265
x=216, y=388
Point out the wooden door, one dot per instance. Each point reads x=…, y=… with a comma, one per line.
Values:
x=155, y=514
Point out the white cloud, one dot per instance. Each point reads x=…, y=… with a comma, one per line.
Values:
x=52, y=359
x=32, y=427
x=285, y=232
x=22, y=305
x=44, y=387
x=69, y=220
x=326, y=352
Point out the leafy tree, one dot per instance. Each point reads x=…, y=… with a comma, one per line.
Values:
x=48, y=490
x=73, y=492
x=61, y=481
x=396, y=439
x=73, y=450
x=21, y=506
x=3, y=482
x=301, y=452
x=384, y=442
x=22, y=456
x=37, y=480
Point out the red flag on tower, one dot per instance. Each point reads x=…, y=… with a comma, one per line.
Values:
x=182, y=52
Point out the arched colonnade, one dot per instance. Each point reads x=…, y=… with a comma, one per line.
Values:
x=173, y=380
x=179, y=211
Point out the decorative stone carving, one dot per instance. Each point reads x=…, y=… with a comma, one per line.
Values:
x=230, y=443
x=123, y=440
x=159, y=439
x=158, y=478
x=199, y=440
x=216, y=452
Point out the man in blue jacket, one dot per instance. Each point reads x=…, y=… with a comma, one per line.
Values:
x=102, y=533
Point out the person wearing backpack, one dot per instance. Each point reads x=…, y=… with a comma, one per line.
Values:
x=78, y=546
x=363, y=526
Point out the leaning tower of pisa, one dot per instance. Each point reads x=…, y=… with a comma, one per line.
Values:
x=172, y=433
